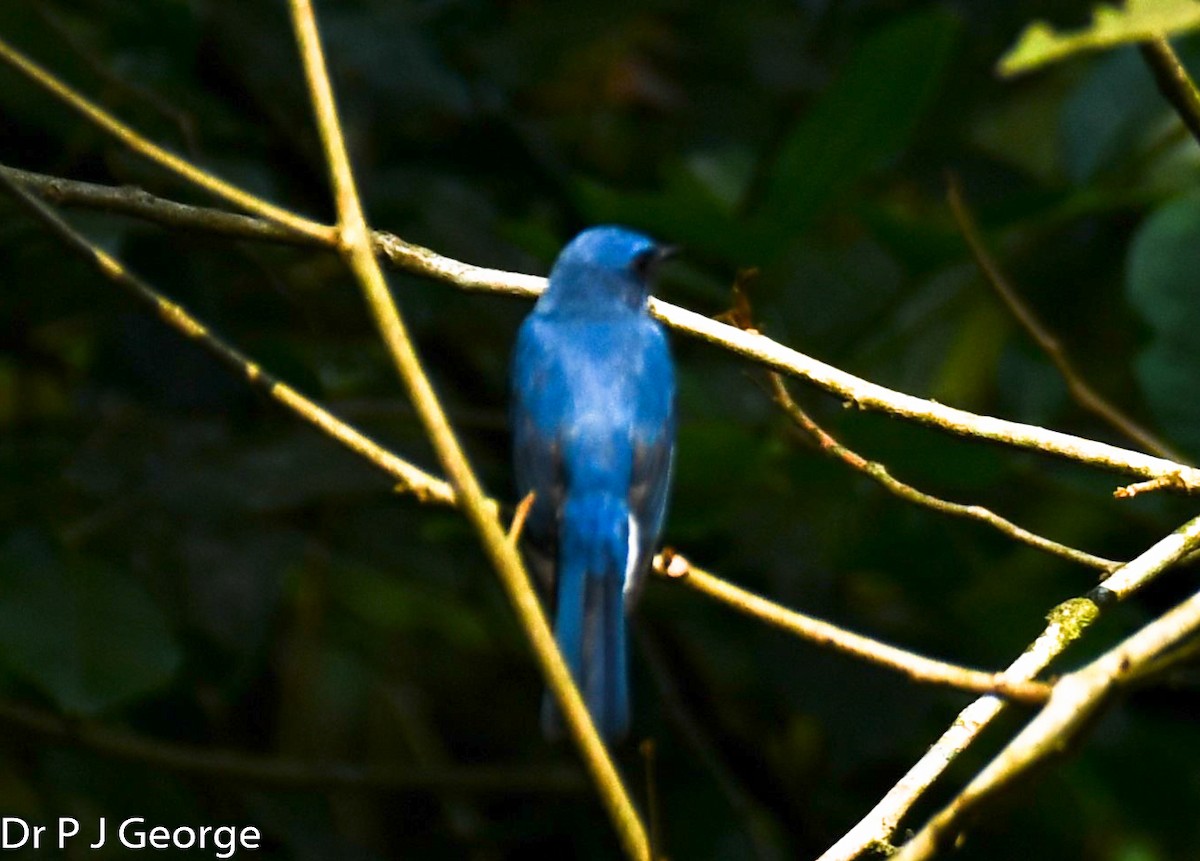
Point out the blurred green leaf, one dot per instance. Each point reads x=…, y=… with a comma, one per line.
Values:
x=84, y=634
x=970, y=367
x=392, y=603
x=1110, y=115
x=1140, y=20
x=862, y=121
x=836, y=293
x=1162, y=279
x=1013, y=128
x=1163, y=262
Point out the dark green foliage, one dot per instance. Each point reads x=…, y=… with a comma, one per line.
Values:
x=180, y=559
x=1164, y=262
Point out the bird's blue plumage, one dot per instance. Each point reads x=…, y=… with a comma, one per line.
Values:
x=593, y=420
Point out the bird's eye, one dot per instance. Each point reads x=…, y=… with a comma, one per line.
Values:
x=643, y=262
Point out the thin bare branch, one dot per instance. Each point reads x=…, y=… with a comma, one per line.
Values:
x=421, y=736
x=914, y=666
x=409, y=478
x=1081, y=390
x=879, y=473
x=99, y=67
x=866, y=395
x=760, y=826
x=1159, y=670
x=1065, y=624
x=1173, y=81
x=133, y=201
x=109, y=124
x=355, y=243
x=227, y=765
x=750, y=345
x=517, y=525
x=1170, y=481
x=649, y=754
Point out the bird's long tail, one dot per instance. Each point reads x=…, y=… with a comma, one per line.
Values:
x=589, y=624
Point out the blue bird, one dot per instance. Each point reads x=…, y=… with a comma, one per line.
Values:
x=593, y=421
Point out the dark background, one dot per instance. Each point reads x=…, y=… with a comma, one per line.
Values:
x=182, y=560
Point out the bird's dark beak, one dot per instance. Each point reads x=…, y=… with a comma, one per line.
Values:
x=645, y=264
x=660, y=255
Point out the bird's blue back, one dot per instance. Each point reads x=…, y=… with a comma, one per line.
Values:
x=593, y=418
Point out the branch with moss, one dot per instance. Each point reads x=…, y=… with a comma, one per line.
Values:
x=1077, y=698
x=1065, y=624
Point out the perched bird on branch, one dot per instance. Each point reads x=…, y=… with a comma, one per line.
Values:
x=593, y=421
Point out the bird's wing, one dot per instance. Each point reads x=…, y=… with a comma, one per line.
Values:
x=653, y=437
x=537, y=453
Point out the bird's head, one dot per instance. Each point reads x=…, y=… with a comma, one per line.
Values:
x=604, y=269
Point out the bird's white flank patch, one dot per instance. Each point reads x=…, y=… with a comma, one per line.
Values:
x=631, y=557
